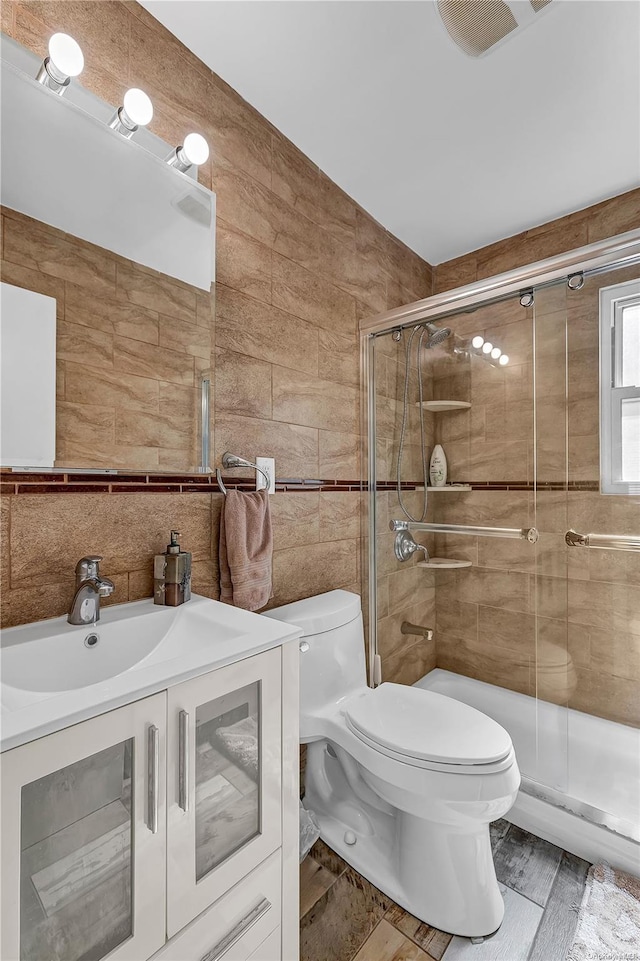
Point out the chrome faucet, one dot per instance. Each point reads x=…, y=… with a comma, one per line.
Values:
x=90, y=587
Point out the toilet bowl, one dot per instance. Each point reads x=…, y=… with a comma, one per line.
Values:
x=404, y=782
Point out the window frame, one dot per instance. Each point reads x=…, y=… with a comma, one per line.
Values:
x=612, y=302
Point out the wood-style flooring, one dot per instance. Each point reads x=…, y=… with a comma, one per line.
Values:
x=345, y=918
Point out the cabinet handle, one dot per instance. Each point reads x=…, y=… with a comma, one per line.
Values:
x=183, y=760
x=153, y=761
x=241, y=928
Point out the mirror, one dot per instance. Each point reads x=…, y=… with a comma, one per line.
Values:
x=123, y=245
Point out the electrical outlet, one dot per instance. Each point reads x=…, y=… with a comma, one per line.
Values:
x=268, y=465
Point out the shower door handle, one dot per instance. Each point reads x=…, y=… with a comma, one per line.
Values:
x=603, y=542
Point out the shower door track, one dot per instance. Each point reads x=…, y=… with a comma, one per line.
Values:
x=618, y=251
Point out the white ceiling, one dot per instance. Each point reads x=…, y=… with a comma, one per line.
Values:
x=449, y=153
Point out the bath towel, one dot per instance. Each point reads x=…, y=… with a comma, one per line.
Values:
x=246, y=550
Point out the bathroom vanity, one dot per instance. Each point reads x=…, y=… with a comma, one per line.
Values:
x=150, y=786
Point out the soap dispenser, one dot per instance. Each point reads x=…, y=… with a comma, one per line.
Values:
x=172, y=574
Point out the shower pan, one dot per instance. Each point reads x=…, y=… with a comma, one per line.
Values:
x=530, y=625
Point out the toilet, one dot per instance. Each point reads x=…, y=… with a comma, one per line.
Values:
x=404, y=782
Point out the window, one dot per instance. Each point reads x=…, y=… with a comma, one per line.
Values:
x=620, y=388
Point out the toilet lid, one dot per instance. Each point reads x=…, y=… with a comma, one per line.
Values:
x=428, y=726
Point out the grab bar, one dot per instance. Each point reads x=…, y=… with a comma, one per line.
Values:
x=525, y=533
x=231, y=462
x=603, y=542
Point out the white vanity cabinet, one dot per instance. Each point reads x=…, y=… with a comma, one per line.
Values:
x=166, y=828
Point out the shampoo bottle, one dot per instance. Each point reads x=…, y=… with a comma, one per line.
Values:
x=172, y=574
x=438, y=467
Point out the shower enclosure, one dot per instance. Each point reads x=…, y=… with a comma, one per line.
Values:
x=534, y=623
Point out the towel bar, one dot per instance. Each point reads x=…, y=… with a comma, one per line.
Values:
x=232, y=461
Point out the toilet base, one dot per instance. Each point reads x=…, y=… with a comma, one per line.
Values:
x=442, y=874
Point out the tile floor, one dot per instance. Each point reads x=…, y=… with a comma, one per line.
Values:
x=345, y=918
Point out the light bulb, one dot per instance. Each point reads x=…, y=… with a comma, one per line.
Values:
x=487, y=347
x=504, y=360
x=65, y=61
x=193, y=152
x=195, y=149
x=477, y=342
x=136, y=111
x=138, y=107
x=495, y=353
x=66, y=55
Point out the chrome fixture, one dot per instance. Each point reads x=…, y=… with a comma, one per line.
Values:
x=526, y=299
x=65, y=61
x=575, y=281
x=136, y=111
x=193, y=153
x=405, y=546
x=396, y=335
x=436, y=334
x=407, y=628
x=205, y=440
x=603, y=542
x=231, y=462
x=525, y=533
x=90, y=587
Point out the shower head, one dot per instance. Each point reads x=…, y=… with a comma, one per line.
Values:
x=436, y=334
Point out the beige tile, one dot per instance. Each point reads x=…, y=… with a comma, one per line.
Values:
x=339, y=455
x=237, y=133
x=406, y=587
x=513, y=630
x=158, y=363
x=84, y=345
x=615, y=216
x=338, y=358
x=242, y=384
x=313, y=402
x=243, y=203
x=33, y=279
x=386, y=943
x=242, y=263
x=313, y=569
x=38, y=247
x=249, y=327
x=127, y=529
x=147, y=288
x=485, y=662
x=92, y=425
x=109, y=315
x=312, y=298
x=391, y=640
x=185, y=338
x=295, y=519
x=615, y=698
x=162, y=429
x=456, y=618
x=294, y=448
x=410, y=664
x=85, y=385
x=339, y=515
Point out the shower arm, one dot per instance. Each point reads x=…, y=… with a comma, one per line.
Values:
x=524, y=533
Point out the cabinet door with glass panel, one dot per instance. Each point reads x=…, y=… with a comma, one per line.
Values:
x=83, y=840
x=224, y=787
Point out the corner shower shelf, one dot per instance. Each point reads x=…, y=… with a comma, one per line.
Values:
x=443, y=563
x=440, y=405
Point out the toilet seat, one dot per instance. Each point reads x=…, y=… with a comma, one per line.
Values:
x=426, y=729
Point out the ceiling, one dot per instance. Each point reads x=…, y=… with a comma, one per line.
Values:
x=448, y=152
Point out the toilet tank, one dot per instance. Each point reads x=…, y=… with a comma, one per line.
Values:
x=334, y=663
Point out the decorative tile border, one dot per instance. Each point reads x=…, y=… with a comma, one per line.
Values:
x=112, y=483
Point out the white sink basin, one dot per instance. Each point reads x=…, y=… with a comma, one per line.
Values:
x=53, y=674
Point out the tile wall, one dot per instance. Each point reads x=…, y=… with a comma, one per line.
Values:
x=298, y=264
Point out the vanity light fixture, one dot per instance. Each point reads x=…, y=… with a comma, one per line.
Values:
x=65, y=61
x=193, y=152
x=504, y=360
x=477, y=342
x=487, y=347
x=495, y=353
x=136, y=111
